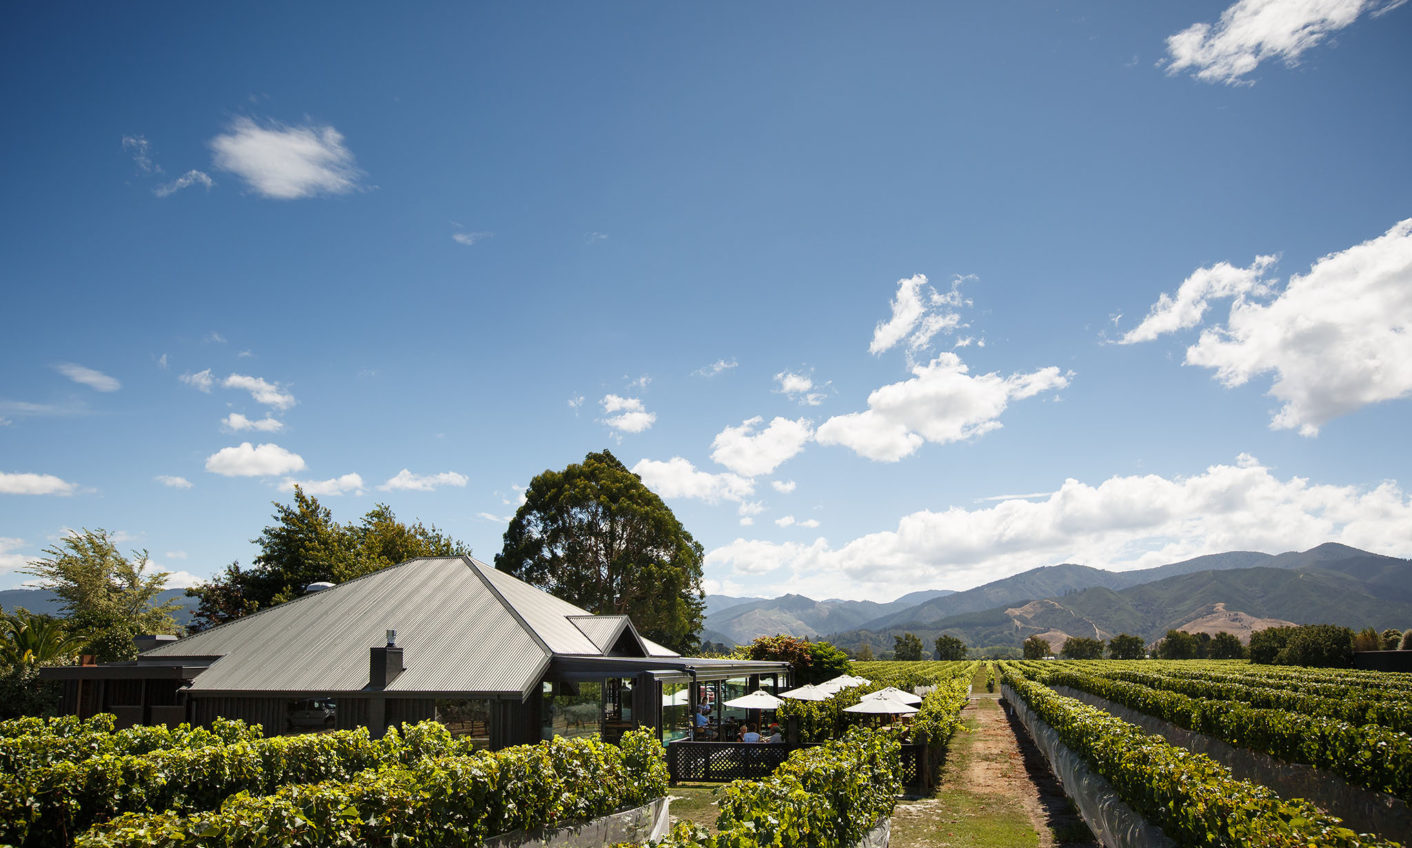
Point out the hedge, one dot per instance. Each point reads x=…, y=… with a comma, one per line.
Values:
x=828, y=796
x=455, y=800
x=47, y=805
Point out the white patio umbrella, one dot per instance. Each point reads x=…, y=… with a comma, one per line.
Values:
x=843, y=681
x=807, y=692
x=757, y=700
x=881, y=706
x=895, y=694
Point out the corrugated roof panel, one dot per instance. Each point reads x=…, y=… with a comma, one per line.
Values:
x=656, y=650
x=547, y=615
x=602, y=629
x=455, y=636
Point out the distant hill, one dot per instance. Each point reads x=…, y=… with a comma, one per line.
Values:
x=46, y=602
x=741, y=620
x=1331, y=584
x=1052, y=581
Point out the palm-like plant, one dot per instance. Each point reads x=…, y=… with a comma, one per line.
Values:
x=29, y=639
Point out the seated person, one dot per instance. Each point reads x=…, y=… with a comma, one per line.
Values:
x=775, y=734
x=748, y=734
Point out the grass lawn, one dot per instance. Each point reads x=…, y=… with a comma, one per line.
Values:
x=695, y=802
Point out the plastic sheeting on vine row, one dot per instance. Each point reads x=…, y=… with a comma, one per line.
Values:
x=1113, y=822
x=1362, y=809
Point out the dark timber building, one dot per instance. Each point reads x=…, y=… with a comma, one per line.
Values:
x=446, y=638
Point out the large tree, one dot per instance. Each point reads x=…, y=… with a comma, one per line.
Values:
x=812, y=662
x=1082, y=648
x=305, y=545
x=1125, y=646
x=595, y=536
x=950, y=648
x=1036, y=648
x=107, y=598
x=908, y=646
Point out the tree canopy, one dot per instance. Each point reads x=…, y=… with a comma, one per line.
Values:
x=1082, y=648
x=949, y=648
x=908, y=646
x=108, y=598
x=305, y=545
x=1036, y=648
x=597, y=537
x=811, y=662
x=1126, y=647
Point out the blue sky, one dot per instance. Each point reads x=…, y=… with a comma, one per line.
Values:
x=879, y=298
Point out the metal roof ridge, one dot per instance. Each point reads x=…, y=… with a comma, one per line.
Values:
x=475, y=566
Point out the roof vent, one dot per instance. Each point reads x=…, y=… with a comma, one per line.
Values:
x=317, y=587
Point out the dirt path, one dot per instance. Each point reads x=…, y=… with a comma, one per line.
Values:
x=996, y=790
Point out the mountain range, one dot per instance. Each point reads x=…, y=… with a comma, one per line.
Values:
x=1237, y=591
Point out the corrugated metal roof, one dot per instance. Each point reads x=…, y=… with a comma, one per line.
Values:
x=455, y=635
x=543, y=613
x=463, y=627
x=603, y=630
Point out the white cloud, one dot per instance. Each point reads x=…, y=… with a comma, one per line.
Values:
x=799, y=387
x=678, y=478
x=941, y=403
x=627, y=415
x=245, y=460
x=190, y=178
x=175, y=555
x=183, y=579
x=750, y=508
x=406, y=481
x=750, y=453
x=162, y=362
x=715, y=368
x=263, y=391
x=576, y=401
x=9, y=560
x=5, y=422
x=594, y=237
x=201, y=380
x=1252, y=31
x=96, y=380
x=791, y=521
x=919, y=313
x=34, y=484
x=173, y=482
x=784, y=487
x=284, y=162
x=141, y=152
x=640, y=383
x=1122, y=523
x=1186, y=310
x=1336, y=339
x=498, y=519
x=237, y=422
x=214, y=337
x=469, y=239
x=348, y=484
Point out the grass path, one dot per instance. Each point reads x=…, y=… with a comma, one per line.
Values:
x=996, y=792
